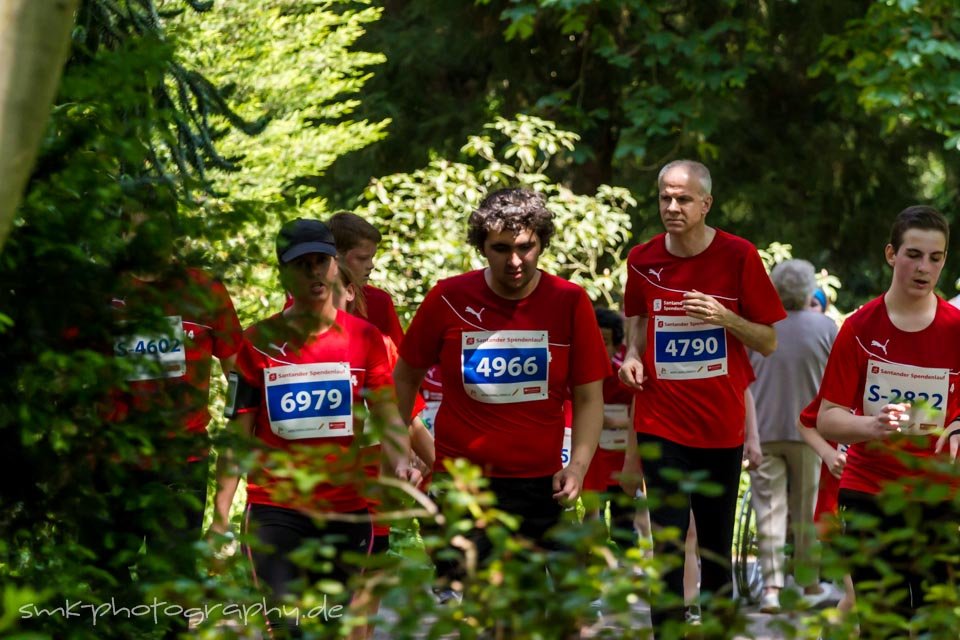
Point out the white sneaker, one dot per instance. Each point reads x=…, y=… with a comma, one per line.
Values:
x=828, y=595
x=770, y=602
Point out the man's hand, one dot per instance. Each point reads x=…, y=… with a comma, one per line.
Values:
x=835, y=462
x=889, y=420
x=408, y=473
x=631, y=373
x=752, y=453
x=951, y=435
x=567, y=484
x=707, y=308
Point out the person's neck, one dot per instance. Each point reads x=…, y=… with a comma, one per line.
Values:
x=691, y=243
x=910, y=313
x=310, y=320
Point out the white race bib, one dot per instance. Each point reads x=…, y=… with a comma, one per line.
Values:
x=309, y=400
x=505, y=367
x=155, y=356
x=615, y=439
x=924, y=388
x=688, y=349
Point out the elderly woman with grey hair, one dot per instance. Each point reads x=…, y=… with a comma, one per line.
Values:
x=786, y=480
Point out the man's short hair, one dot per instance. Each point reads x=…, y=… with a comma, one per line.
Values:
x=697, y=169
x=350, y=230
x=919, y=216
x=513, y=210
x=795, y=281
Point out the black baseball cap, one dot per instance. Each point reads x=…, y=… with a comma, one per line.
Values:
x=302, y=236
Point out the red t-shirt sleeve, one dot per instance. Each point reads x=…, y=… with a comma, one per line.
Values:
x=760, y=302
x=634, y=300
x=424, y=338
x=379, y=371
x=588, y=357
x=227, y=333
x=842, y=375
x=808, y=417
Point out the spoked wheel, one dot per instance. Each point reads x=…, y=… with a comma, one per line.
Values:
x=746, y=566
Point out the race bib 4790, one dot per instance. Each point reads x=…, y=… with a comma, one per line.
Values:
x=688, y=349
x=505, y=367
x=309, y=400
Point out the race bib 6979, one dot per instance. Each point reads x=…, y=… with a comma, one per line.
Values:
x=309, y=400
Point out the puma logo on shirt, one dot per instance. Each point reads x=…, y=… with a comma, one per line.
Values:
x=476, y=313
x=655, y=273
x=874, y=343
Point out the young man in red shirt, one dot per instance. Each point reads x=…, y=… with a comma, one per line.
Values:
x=696, y=296
x=512, y=343
x=889, y=390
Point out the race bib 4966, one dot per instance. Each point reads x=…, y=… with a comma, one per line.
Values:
x=309, y=400
x=505, y=367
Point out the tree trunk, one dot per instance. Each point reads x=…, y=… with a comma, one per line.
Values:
x=34, y=43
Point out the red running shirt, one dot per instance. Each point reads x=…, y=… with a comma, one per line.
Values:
x=382, y=314
x=355, y=347
x=506, y=368
x=871, y=364
x=696, y=373
x=203, y=324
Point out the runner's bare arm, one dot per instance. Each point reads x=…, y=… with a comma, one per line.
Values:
x=587, y=423
x=635, y=337
x=837, y=423
x=228, y=474
x=762, y=338
x=407, y=380
x=752, y=452
x=395, y=441
x=631, y=474
x=834, y=460
x=422, y=442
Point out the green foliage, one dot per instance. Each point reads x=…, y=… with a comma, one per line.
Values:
x=136, y=107
x=752, y=88
x=416, y=251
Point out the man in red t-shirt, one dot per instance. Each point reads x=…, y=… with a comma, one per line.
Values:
x=696, y=296
x=512, y=343
x=299, y=378
x=170, y=322
x=889, y=390
x=357, y=242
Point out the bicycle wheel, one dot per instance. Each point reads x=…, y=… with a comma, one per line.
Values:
x=747, y=576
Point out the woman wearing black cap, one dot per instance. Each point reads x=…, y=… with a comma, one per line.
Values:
x=299, y=376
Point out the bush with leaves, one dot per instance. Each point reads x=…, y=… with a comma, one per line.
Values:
x=133, y=107
x=423, y=215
